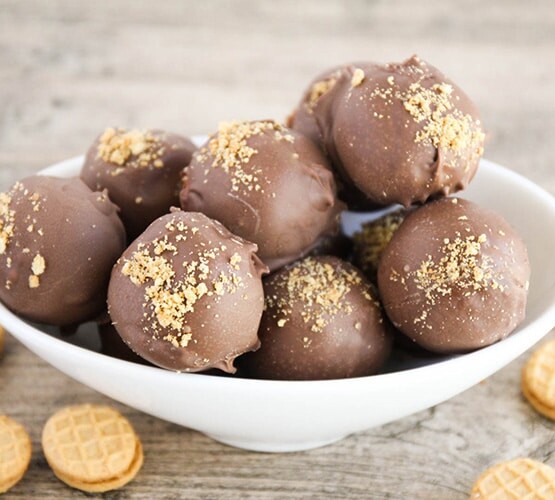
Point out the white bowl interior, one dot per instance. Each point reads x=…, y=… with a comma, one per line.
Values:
x=286, y=416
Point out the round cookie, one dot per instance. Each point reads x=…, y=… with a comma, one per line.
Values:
x=187, y=294
x=267, y=184
x=92, y=448
x=538, y=380
x=321, y=321
x=58, y=243
x=519, y=478
x=15, y=452
x=454, y=277
x=141, y=169
x=399, y=133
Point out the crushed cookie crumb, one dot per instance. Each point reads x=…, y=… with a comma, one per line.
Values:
x=370, y=242
x=38, y=265
x=319, y=89
x=134, y=148
x=231, y=152
x=7, y=217
x=235, y=260
x=358, y=77
x=443, y=125
x=462, y=266
x=170, y=298
x=321, y=287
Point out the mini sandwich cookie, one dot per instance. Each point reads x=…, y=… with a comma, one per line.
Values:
x=92, y=448
x=520, y=478
x=538, y=380
x=15, y=452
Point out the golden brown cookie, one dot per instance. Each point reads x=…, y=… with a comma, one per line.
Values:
x=538, y=380
x=92, y=448
x=517, y=479
x=15, y=452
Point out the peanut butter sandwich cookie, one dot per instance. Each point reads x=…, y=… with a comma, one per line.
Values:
x=538, y=380
x=15, y=452
x=92, y=448
x=520, y=478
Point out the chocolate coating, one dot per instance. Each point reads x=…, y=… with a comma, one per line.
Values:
x=267, y=184
x=398, y=133
x=454, y=277
x=187, y=294
x=58, y=243
x=141, y=171
x=321, y=321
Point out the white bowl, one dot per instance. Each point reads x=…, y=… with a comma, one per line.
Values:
x=277, y=416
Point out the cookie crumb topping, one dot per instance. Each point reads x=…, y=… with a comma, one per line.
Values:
x=358, y=77
x=321, y=287
x=231, y=152
x=462, y=266
x=374, y=236
x=319, y=89
x=172, y=293
x=133, y=148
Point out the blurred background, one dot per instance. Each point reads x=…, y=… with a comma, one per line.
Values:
x=70, y=68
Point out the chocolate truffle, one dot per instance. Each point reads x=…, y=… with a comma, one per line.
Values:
x=267, y=184
x=141, y=171
x=370, y=242
x=187, y=294
x=454, y=277
x=321, y=321
x=58, y=243
x=399, y=133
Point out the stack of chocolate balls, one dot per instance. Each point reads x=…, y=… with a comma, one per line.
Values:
x=231, y=256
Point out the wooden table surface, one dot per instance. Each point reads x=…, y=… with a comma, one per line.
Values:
x=70, y=68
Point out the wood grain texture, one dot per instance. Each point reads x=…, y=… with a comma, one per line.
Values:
x=69, y=68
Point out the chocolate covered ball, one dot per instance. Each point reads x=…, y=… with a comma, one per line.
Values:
x=187, y=294
x=399, y=133
x=321, y=321
x=454, y=277
x=267, y=184
x=141, y=171
x=58, y=243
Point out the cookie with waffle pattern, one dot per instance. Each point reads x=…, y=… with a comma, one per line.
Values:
x=92, y=448
x=538, y=380
x=522, y=478
x=15, y=452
